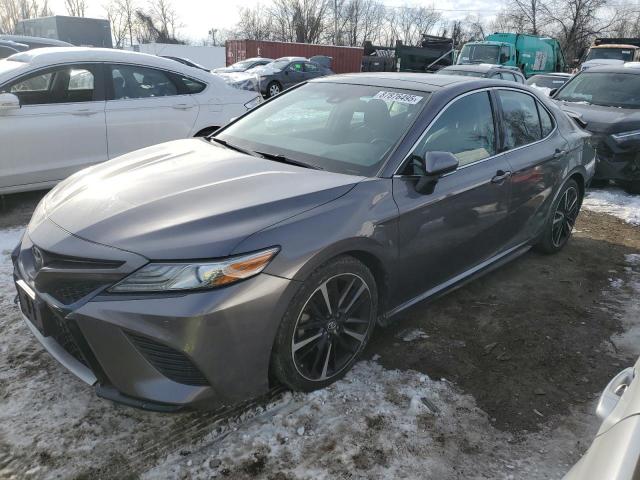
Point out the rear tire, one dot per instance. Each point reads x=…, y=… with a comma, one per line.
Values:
x=327, y=325
x=633, y=187
x=599, y=183
x=562, y=218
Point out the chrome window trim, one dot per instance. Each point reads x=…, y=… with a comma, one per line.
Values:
x=446, y=107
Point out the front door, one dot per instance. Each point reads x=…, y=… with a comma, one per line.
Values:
x=59, y=127
x=445, y=234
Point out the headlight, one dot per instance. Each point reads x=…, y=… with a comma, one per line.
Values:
x=166, y=277
x=626, y=136
x=253, y=102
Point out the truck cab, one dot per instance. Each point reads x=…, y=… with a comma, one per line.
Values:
x=531, y=54
x=612, y=51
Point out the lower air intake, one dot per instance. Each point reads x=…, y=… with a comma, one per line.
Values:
x=171, y=363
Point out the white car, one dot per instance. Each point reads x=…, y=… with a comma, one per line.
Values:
x=63, y=109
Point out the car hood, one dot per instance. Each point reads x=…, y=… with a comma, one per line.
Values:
x=186, y=199
x=600, y=119
x=227, y=70
x=601, y=62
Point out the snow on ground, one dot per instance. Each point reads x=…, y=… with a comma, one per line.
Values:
x=411, y=334
x=374, y=424
x=614, y=201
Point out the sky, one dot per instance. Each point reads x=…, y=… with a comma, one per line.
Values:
x=200, y=16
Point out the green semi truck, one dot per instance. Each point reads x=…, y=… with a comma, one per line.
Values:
x=530, y=53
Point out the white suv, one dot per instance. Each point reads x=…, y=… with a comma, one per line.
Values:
x=63, y=109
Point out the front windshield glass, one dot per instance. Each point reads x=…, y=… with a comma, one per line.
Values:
x=337, y=127
x=625, y=54
x=461, y=72
x=546, y=81
x=242, y=65
x=278, y=64
x=601, y=88
x=479, y=53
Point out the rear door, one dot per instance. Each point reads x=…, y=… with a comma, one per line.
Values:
x=458, y=227
x=537, y=153
x=312, y=70
x=59, y=128
x=146, y=106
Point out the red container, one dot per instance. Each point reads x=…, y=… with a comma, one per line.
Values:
x=344, y=59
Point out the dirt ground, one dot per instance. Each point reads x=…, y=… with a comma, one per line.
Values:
x=525, y=351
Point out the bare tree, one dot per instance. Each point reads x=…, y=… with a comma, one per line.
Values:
x=577, y=22
x=164, y=17
x=255, y=24
x=76, y=8
x=410, y=23
x=361, y=20
x=303, y=21
x=12, y=11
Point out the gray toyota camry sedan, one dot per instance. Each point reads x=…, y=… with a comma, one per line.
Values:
x=202, y=271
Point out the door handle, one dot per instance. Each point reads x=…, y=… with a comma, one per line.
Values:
x=501, y=176
x=84, y=111
x=182, y=106
x=559, y=153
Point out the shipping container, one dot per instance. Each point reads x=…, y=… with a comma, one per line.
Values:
x=344, y=59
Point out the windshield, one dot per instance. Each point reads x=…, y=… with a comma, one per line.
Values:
x=602, y=88
x=278, y=64
x=464, y=73
x=337, y=127
x=546, y=81
x=479, y=53
x=625, y=54
x=242, y=65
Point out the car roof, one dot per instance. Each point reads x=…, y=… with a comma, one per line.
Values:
x=53, y=55
x=256, y=59
x=426, y=82
x=293, y=59
x=632, y=69
x=27, y=39
x=480, y=67
x=614, y=45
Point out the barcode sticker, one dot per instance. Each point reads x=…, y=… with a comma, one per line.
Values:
x=398, y=97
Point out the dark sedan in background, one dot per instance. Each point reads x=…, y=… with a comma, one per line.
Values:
x=607, y=100
x=286, y=72
x=485, y=70
x=269, y=251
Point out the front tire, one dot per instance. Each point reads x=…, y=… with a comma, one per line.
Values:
x=273, y=89
x=564, y=213
x=327, y=325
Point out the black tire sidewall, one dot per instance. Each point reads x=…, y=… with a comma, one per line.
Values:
x=546, y=243
x=271, y=84
x=282, y=365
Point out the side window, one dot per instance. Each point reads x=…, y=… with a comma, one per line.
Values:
x=465, y=129
x=310, y=67
x=519, y=78
x=132, y=81
x=520, y=115
x=508, y=76
x=545, y=121
x=296, y=67
x=69, y=84
x=189, y=85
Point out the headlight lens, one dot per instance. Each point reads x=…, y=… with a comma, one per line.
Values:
x=253, y=103
x=167, y=277
x=626, y=136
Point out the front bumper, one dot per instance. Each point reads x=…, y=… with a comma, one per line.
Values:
x=616, y=162
x=164, y=351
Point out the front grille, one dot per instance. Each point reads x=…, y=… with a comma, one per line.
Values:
x=68, y=279
x=171, y=363
x=68, y=292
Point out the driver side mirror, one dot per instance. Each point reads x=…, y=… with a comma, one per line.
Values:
x=434, y=165
x=9, y=101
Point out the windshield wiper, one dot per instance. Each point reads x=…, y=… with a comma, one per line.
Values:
x=277, y=157
x=231, y=146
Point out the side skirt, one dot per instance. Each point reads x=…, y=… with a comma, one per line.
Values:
x=461, y=279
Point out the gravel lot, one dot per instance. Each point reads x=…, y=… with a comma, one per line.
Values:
x=495, y=380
